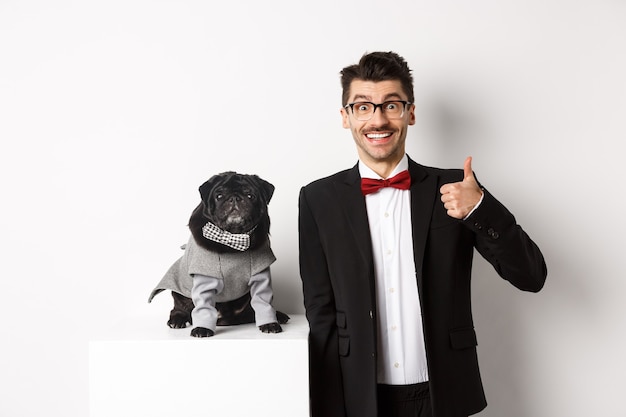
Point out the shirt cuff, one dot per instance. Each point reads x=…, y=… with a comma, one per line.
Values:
x=476, y=206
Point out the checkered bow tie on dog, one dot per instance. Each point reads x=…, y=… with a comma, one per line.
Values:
x=238, y=241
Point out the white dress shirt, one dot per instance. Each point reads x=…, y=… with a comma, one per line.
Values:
x=401, y=351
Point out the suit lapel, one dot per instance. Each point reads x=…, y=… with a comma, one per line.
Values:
x=423, y=194
x=353, y=204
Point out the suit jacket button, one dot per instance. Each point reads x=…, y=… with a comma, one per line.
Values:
x=493, y=233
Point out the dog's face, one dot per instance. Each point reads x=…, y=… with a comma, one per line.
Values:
x=236, y=203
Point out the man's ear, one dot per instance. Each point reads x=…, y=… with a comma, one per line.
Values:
x=412, y=114
x=345, y=118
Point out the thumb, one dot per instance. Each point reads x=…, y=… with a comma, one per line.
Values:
x=467, y=169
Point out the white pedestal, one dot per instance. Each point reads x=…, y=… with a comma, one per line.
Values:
x=146, y=369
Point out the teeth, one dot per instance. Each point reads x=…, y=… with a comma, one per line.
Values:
x=378, y=135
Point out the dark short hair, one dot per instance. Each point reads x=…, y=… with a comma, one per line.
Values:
x=378, y=66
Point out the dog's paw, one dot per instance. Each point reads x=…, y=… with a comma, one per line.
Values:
x=202, y=332
x=281, y=317
x=177, y=322
x=271, y=328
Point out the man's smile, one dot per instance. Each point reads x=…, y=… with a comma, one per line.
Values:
x=375, y=136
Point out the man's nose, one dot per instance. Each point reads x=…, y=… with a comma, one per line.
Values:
x=378, y=117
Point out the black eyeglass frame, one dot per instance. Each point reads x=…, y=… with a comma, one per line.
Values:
x=351, y=107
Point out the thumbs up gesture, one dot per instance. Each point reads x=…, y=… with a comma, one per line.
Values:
x=460, y=198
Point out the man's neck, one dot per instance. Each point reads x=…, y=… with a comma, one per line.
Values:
x=384, y=169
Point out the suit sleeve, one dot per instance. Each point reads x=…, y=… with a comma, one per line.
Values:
x=325, y=378
x=504, y=244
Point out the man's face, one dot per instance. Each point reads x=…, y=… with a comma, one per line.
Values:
x=379, y=139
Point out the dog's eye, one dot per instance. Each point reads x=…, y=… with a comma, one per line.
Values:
x=219, y=196
x=251, y=196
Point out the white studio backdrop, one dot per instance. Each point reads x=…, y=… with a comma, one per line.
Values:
x=113, y=113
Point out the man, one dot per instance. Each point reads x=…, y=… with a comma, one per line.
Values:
x=386, y=271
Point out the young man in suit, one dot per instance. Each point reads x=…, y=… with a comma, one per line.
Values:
x=385, y=260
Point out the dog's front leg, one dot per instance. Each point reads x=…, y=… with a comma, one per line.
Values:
x=261, y=300
x=204, y=314
x=181, y=313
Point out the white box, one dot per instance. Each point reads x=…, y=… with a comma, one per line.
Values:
x=144, y=368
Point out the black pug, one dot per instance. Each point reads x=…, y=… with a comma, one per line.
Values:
x=223, y=277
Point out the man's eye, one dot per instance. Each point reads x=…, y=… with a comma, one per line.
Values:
x=391, y=106
x=363, y=107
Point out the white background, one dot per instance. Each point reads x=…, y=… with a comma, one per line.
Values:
x=112, y=113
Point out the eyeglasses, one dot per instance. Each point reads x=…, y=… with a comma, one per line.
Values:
x=364, y=110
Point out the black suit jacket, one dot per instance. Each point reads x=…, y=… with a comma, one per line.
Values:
x=337, y=271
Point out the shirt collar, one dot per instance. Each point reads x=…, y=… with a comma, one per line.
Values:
x=367, y=172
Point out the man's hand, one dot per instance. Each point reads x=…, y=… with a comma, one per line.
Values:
x=459, y=198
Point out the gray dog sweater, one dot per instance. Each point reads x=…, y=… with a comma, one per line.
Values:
x=220, y=277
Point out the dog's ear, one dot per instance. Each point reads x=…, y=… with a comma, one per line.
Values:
x=267, y=189
x=205, y=189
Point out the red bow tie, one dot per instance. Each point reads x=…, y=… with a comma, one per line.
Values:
x=401, y=181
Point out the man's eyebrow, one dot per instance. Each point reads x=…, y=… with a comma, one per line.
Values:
x=392, y=96
x=361, y=97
